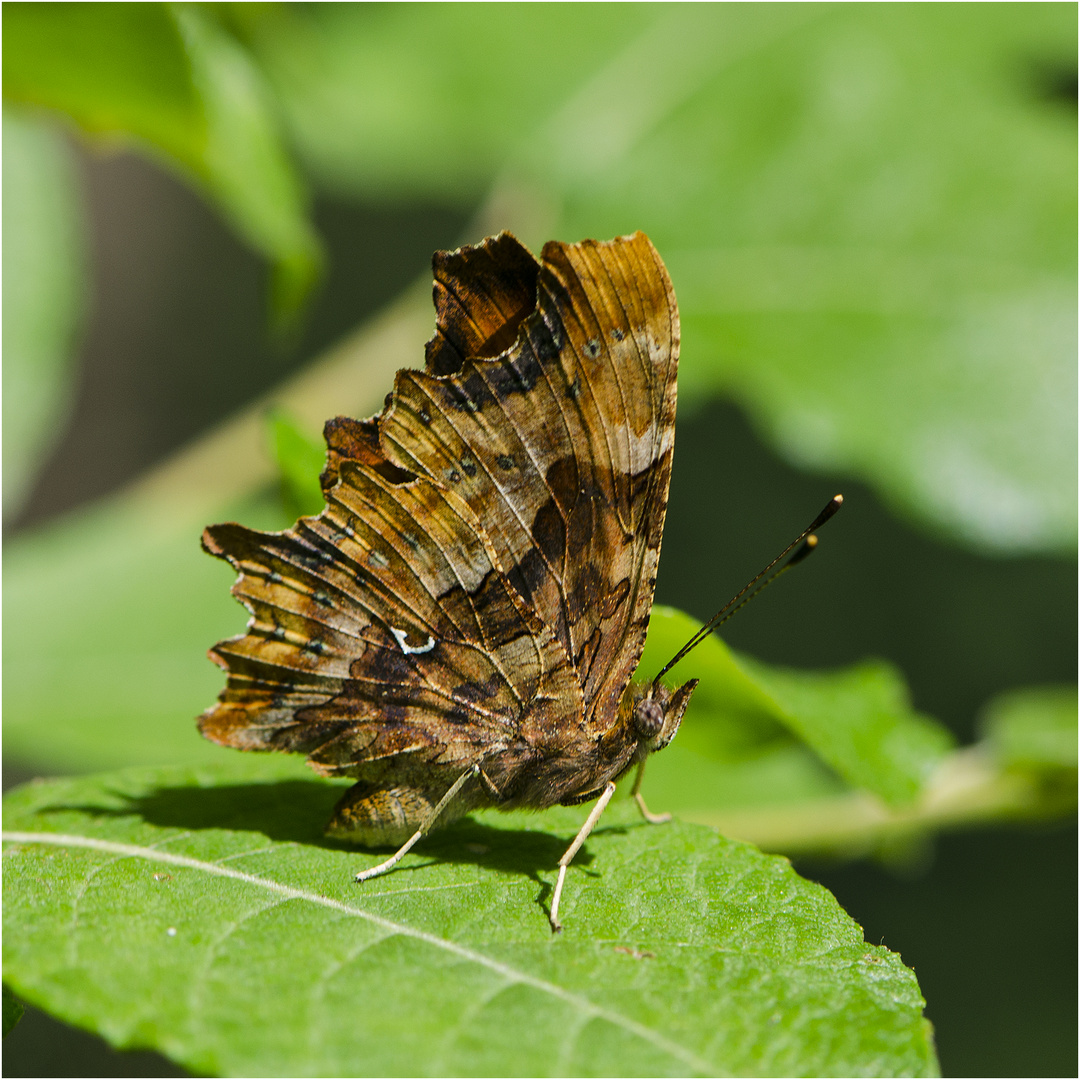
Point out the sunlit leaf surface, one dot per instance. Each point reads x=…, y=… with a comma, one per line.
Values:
x=201, y=914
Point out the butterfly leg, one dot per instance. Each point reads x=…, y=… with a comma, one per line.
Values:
x=646, y=813
x=573, y=849
x=389, y=864
x=489, y=785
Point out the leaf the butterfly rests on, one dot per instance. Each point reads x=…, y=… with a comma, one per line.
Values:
x=465, y=615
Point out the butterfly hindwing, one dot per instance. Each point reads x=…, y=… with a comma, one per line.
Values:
x=372, y=636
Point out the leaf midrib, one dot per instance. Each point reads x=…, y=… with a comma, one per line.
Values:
x=584, y=1005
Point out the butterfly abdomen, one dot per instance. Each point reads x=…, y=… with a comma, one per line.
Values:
x=372, y=815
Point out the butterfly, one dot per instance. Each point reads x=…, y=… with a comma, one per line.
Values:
x=460, y=626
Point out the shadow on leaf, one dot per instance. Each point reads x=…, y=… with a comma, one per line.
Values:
x=287, y=811
x=296, y=811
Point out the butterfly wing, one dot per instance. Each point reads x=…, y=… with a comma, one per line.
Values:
x=380, y=628
x=562, y=443
x=479, y=584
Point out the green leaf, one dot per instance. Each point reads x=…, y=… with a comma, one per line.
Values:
x=202, y=914
x=168, y=78
x=114, y=68
x=13, y=1011
x=300, y=461
x=244, y=162
x=44, y=295
x=868, y=211
x=830, y=204
x=1034, y=728
x=858, y=720
x=431, y=102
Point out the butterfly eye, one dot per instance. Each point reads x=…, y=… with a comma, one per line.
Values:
x=648, y=718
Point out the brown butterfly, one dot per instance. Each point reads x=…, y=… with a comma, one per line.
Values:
x=458, y=628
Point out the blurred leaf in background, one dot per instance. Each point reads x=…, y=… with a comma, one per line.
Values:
x=167, y=77
x=868, y=211
x=13, y=1010
x=1034, y=728
x=45, y=286
x=833, y=215
x=299, y=459
x=858, y=721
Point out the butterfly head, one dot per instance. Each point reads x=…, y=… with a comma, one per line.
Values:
x=657, y=711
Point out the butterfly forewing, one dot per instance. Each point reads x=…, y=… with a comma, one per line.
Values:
x=562, y=444
x=482, y=295
x=418, y=629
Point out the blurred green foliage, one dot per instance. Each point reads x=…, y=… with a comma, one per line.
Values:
x=299, y=460
x=868, y=211
x=44, y=294
x=1034, y=728
x=858, y=721
x=869, y=215
x=13, y=1010
x=168, y=78
x=118, y=678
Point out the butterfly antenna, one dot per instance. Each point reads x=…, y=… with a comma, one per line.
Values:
x=791, y=556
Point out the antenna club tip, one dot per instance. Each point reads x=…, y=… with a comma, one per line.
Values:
x=838, y=499
x=811, y=541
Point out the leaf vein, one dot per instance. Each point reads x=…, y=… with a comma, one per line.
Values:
x=287, y=892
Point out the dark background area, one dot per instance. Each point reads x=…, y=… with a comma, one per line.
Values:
x=179, y=338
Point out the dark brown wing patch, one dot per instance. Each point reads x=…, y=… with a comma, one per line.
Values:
x=482, y=294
